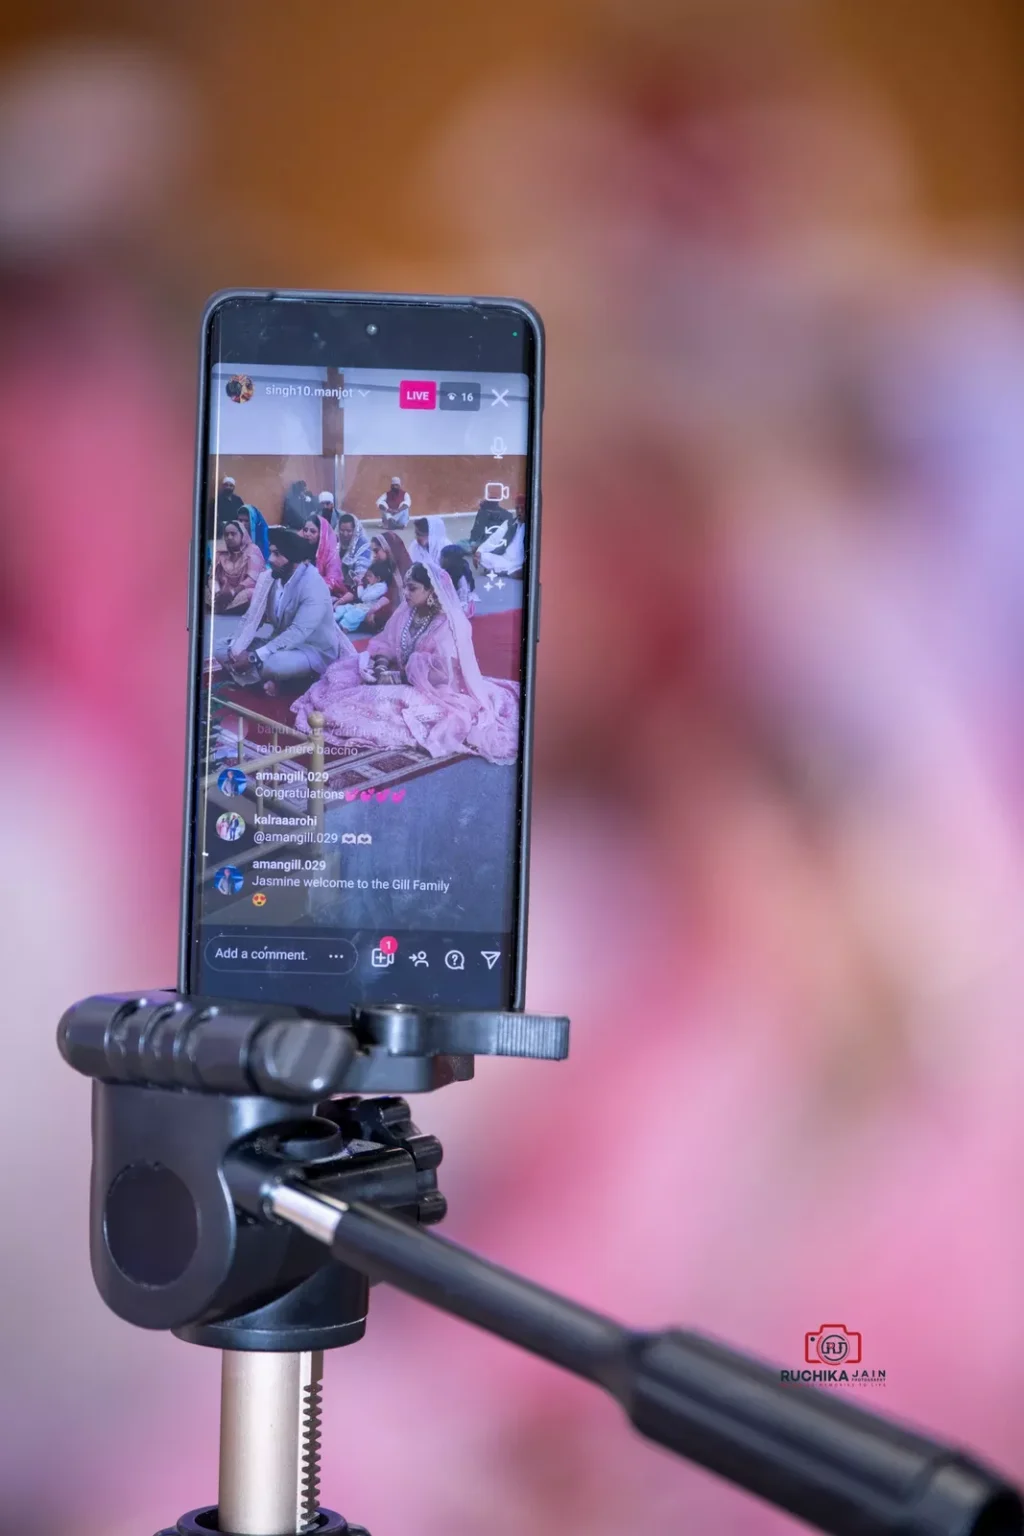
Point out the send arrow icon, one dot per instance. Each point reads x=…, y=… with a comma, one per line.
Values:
x=492, y=956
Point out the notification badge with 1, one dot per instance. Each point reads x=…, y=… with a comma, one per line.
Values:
x=384, y=954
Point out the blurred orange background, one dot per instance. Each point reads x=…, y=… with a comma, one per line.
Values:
x=778, y=853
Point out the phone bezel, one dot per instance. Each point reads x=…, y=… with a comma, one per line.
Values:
x=186, y=943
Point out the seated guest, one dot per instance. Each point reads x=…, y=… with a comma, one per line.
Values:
x=298, y=504
x=391, y=558
x=456, y=562
x=371, y=596
x=293, y=598
x=252, y=518
x=504, y=551
x=326, y=507
x=489, y=515
x=317, y=531
x=354, y=548
x=229, y=503
x=418, y=684
x=236, y=571
x=431, y=538
x=394, y=506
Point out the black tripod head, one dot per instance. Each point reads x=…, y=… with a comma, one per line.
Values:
x=180, y=1082
x=238, y=1201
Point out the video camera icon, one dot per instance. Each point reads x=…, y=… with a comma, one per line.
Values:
x=381, y=959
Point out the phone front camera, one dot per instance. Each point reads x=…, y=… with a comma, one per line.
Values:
x=371, y=329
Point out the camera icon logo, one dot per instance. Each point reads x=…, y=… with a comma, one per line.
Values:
x=832, y=1344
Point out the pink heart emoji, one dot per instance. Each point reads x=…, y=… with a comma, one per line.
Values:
x=350, y=794
x=397, y=795
x=366, y=794
x=382, y=795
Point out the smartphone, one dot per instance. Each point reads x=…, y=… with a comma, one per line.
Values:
x=363, y=614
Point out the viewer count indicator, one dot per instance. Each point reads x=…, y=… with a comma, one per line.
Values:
x=458, y=395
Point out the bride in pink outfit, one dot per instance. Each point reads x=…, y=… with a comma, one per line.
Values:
x=418, y=683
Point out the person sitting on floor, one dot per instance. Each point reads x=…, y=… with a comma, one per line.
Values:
x=431, y=538
x=418, y=684
x=504, y=551
x=354, y=548
x=229, y=503
x=318, y=531
x=456, y=562
x=327, y=508
x=252, y=518
x=395, y=505
x=237, y=570
x=371, y=595
x=294, y=599
x=391, y=554
x=297, y=505
x=489, y=515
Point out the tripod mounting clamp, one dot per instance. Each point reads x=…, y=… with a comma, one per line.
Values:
x=166, y=1039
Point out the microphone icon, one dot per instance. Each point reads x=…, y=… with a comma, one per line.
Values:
x=498, y=447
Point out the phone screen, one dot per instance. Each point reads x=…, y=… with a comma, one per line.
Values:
x=364, y=559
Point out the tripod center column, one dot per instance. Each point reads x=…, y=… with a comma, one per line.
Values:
x=269, y=1443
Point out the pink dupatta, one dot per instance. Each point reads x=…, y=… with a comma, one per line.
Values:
x=445, y=706
x=328, y=558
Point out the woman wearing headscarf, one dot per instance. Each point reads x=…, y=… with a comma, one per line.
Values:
x=380, y=591
x=371, y=595
x=431, y=538
x=418, y=684
x=389, y=550
x=456, y=562
x=258, y=530
x=317, y=530
x=236, y=570
x=355, y=552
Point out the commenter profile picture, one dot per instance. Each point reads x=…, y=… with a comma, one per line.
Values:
x=229, y=880
x=232, y=781
x=240, y=388
x=230, y=826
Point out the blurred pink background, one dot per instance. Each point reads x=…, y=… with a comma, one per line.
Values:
x=778, y=873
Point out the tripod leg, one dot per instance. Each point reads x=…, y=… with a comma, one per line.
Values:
x=269, y=1443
